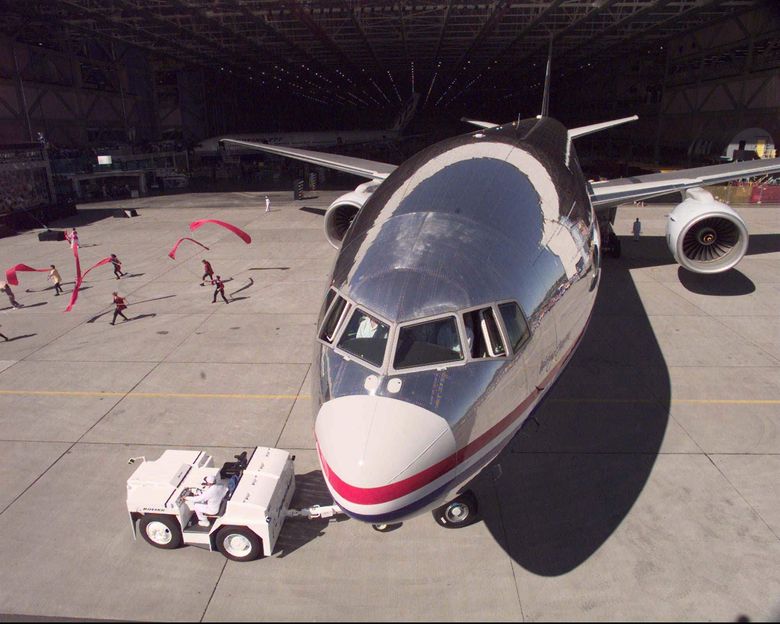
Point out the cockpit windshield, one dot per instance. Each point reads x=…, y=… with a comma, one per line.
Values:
x=424, y=344
x=365, y=337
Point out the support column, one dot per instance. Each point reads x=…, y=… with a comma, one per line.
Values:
x=20, y=93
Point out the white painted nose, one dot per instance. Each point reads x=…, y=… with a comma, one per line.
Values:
x=367, y=443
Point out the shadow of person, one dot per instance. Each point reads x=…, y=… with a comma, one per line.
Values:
x=127, y=275
x=240, y=298
x=20, y=337
x=142, y=316
x=310, y=489
x=249, y=284
x=565, y=488
x=32, y=305
x=732, y=283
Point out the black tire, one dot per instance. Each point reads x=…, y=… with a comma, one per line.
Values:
x=614, y=245
x=161, y=531
x=239, y=544
x=459, y=512
x=386, y=528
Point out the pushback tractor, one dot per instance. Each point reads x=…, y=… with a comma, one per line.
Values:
x=260, y=486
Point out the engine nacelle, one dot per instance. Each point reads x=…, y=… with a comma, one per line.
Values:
x=342, y=212
x=705, y=235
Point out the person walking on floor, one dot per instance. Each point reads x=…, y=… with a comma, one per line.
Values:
x=121, y=304
x=54, y=276
x=72, y=238
x=219, y=289
x=207, y=272
x=637, y=229
x=267, y=204
x=117, y=266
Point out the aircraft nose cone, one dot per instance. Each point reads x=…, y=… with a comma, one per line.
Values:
x=375, y=450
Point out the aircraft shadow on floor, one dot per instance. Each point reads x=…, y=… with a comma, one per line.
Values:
x=566, y=487
x=310, y=489
x=732, y=283
x=318, y=211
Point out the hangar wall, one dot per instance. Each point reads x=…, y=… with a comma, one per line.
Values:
x=74, y=93
x=692, y=93
x=721, y=79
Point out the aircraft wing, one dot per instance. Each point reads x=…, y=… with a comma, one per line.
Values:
x=621, y=190
x=479, y=124
x=357, y=166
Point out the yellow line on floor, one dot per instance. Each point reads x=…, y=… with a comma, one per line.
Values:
x=702, y=401
x=254, y=397
x=151, y=395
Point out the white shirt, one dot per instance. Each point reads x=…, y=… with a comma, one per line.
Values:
x=367, y=328
x=210, y=499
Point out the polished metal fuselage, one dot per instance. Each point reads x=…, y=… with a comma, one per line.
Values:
x=487, y=217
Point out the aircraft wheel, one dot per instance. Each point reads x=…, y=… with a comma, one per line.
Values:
x=614, y=245
x=386, y=528
x=161, y=531
x=238, y=544
x=460, y=512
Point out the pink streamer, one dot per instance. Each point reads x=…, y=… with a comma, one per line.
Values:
x=80, y=279
x=237, y=231
x=172, y=252
x=10, y=274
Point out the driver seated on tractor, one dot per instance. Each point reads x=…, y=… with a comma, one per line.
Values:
x=208, y=501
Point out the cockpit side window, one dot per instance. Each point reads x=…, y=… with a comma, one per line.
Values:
x=329, y=298
x=515, y=323
x=482, y=333
x=429, y=343
x=365, y=337
x=333, y=318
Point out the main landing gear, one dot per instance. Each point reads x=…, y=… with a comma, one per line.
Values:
x=459, y=512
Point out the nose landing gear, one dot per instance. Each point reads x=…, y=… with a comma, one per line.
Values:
x=459, y=512
x=386, y=528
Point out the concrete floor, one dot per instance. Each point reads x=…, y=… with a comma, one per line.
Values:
x=649, y=491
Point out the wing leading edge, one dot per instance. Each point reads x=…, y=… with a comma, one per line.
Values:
x=621, y=190
x=358, y=166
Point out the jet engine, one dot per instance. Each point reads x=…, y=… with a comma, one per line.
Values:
x=343, y=211
x=705, y=235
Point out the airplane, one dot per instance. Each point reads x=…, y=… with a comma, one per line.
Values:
x=318, y=138
x=464, y=282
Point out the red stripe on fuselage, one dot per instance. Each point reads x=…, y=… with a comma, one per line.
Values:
x=392, y=491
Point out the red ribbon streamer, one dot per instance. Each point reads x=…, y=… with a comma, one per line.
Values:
x=75, y=247
x=237, y=231
x=80, y=279
x=172, y=252
x=10, y=274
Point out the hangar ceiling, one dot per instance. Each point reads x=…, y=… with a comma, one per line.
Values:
x=369, y=54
